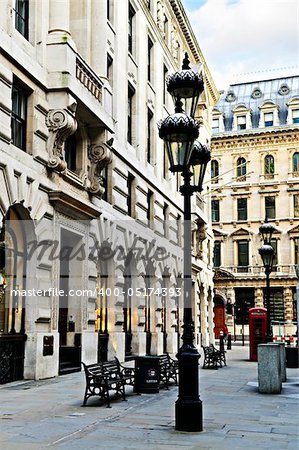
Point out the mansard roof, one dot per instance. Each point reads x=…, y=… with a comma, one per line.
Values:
x=254, y=94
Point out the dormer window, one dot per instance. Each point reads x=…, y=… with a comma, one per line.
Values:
x=241, y=123
x=295, y=116
x=268, y=118
x=293, y=111
x=241, y=117
x=215, y=126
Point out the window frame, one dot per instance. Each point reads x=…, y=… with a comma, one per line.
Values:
x=131, y=28
x=17, y=117
x=242, y=211
x=149, y=144
x=130, y=124
x=217, y=254
x=23, y=17
x=215, y=211
x=150, y=59
x=241, y=169
x=244, y=242
x=270, y=207
x=269, y=167
x=214, y=171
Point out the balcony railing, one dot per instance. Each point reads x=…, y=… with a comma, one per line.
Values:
x=89, y=79
x=286, y=270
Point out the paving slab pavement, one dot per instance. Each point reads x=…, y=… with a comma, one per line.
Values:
x=47, y=414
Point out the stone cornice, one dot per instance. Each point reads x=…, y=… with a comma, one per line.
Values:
x=253, y=138
x=184, y=23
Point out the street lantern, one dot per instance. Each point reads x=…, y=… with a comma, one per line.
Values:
x=179, y=132
x=200, y=157
x=266, y=230
x=186, y=85
x=267, y=253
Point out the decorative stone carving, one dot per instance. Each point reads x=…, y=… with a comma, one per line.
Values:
x=100, y=156
x=61, y=125
x=160, y=16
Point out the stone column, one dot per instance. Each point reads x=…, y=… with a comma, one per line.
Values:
x=288, y=304
x=98, y=45
x=258, y=298
x=59, y=19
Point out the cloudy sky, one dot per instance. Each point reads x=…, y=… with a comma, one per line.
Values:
x=246, y=39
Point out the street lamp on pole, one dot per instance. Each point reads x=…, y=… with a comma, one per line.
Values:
x=179, y=132
x=267, y=253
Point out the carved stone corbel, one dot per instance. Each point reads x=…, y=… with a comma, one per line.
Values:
x=61, y=125
x=99, y=156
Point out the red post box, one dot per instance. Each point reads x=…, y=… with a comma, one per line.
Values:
x=257, y=330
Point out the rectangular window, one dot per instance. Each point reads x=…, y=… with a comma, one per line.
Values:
x=22, y=17
x=215, y=126
x=276, y=304
x=150, y=46
x=268, y=118
x=104, y=183
x=217, y=254
x=296, y=205
x=270, y=207
x=165, y=75
x=131, y=25
x=244, y=301
x=149, y=213
x=149, y=152
x=70, y=147
x=215, y=211
x=295, y=116
x=242, y=208
x=241, y=123
x=243, y=255
x=130, y=185
x=110, y=70
x=131, y=93
x=110, y=10
x=296, y=249
x=19, y=115
x=166, y=219
x=273, y=244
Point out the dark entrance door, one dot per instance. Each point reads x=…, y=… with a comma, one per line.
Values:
x=13, y=257
x=69, y=338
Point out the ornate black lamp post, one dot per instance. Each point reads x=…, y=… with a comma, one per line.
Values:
x=190, y=157
x=267, y=253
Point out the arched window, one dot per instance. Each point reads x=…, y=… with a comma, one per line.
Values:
x=296, y=162
x=241, y=169
x=269, y=166
x=214, y=171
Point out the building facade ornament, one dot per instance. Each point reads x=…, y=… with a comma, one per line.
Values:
x=99, y=156
x=61, y=125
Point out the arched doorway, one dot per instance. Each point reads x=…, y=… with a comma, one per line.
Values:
x=219, y=316
x=16, y=234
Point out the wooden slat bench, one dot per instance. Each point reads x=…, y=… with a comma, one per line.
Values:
x=213, y=358
x=168, y=370
x=104, y=377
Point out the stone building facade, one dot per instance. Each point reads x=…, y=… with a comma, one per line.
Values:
x=255, y=175
x=90, y=215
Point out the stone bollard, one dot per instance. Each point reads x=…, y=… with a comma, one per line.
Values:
x=269, y=370
x=283, y=361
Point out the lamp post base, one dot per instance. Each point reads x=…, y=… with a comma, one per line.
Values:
x=188, y=407
x=188, y=415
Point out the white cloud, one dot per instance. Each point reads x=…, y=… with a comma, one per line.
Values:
x=248, y=36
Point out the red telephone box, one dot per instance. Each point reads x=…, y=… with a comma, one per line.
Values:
x=257, y=330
